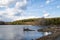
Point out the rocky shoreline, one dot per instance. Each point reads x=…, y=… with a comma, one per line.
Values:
x=55, y=33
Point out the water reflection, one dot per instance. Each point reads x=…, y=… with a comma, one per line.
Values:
x=11, y=32
x=32, y=35
x=47, y=33
x=15, y=32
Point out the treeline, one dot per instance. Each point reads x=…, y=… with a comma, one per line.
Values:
x=2, y=23
x=35, y=21
x=48, y=21
x=52, y=21
x=38, y=21
x=22, y=22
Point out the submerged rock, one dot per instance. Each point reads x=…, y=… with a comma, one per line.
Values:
x=28, y=29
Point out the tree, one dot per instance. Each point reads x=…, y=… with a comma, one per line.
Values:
x=2, y=23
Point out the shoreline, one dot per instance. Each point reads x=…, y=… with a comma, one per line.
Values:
x=55, y=33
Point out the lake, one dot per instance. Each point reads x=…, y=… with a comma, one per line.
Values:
x=15, y=32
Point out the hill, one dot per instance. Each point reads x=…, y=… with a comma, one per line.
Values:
x=36, y=21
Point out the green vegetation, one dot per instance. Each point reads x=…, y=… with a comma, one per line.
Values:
x=36, y=21
x=53, y=21
x=23, y=22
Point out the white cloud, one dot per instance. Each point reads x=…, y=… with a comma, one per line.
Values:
x=20, y=4
x=49, y=1
x=58, y=6
x=9, y=13
x=46, y=14
x=24, y=17
x=5, y=2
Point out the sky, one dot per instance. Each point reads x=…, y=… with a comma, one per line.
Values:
x=11, y=10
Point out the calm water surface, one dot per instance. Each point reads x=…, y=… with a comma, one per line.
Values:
x=15, y=32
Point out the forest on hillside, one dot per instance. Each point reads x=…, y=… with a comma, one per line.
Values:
x=34, y=21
